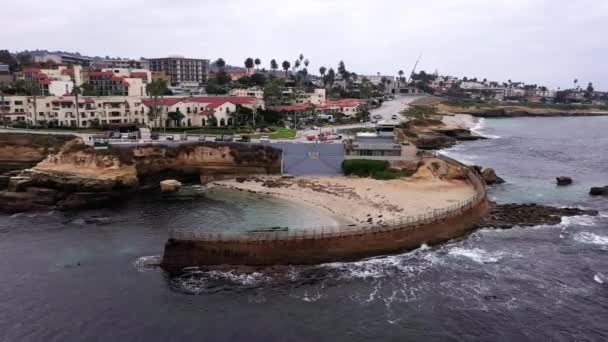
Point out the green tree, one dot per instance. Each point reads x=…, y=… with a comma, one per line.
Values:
x=249, y=63
x=7, y=58
x=155, y=89
x=589, y=91
x=257, y=63
x=306, y=62
x=258, y=79
x=76, y=91
x=286, y=67
x=331, y=77
x=274, y=66
x=273, y=92
x=401, y=75
x=220, y=64
x=88, y=90
x=177, y=117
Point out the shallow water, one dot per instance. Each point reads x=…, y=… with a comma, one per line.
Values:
x=67, y=280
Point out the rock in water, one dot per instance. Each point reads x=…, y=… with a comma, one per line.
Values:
x=489, y=176
x=599, y=191
x=170, y=185
x=563, y=180
x=505, y=216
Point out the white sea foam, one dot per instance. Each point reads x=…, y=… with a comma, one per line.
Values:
x=600, y=278
x=592, y=239
x=147, y=263
x=382, y=266
x=478, y=129
x=476, y=254
x=580, y=220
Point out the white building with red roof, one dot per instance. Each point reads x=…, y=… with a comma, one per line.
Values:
x=198, y=110
x=55, y=82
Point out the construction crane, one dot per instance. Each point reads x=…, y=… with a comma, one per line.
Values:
x=414, y=69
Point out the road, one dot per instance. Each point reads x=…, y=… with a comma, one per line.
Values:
x=386, y=111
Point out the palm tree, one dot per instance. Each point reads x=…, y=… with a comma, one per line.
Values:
x=301, y=57
x=575, y=82
x=306, y=62
x=274, y=66
x=77, y=90
x=286, y=67
x=401, y=75
x=220, y=63
x=249, y=64
x=257, y=63
x=155, y=89
x=296, y=64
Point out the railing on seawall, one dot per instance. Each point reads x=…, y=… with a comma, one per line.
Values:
x=325, y=232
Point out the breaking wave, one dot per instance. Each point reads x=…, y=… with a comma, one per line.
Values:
x=590, y=238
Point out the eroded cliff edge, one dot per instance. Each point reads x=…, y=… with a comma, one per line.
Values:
x=78, y=175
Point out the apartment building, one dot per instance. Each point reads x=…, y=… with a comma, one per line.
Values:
x=254, y=91
x=121, y=64
x=55, y=82
x=94, y=111
x=182, y=69
x=63, y=111
x=120, y=83
x=63, y=59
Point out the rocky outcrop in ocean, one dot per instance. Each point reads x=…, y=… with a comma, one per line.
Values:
x=505, y=216
x=599, y=191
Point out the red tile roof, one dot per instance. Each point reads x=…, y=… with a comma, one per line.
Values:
x=67, y=71
x=31, y=70
x=293, y=108
x=211, y=101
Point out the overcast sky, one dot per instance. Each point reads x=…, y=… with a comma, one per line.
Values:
x=547, y=42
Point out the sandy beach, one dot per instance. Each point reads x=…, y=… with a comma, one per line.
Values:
x=360, y=200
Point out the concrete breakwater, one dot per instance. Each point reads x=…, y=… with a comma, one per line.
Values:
x=327, y=244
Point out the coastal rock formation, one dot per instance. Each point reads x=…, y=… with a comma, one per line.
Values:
x=505, y=216
x=79, y=175
x=19, y=151
x=489, y=176
x=170, y=185
x=563, y=180
x=599, y=191
x=433, y=134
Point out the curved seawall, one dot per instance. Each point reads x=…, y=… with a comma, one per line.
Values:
x=327, y=244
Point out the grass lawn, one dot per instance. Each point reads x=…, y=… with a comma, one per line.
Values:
x=279, y=133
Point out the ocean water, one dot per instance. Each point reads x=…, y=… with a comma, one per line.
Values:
x=81, y=276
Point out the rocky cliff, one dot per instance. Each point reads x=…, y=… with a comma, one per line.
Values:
x=79, y=175
x=23, y=150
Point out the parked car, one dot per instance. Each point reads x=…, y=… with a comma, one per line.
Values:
x=169, y=138
x=154, y=136
x=237, y=138
x=311, y=137
x=219, y=138
x=394, y=117
x=335, y=137
x=227, y=138
x=377, y=116
x=245, y=138
x=264, y=139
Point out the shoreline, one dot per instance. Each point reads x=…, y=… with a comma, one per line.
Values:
x=360, y=201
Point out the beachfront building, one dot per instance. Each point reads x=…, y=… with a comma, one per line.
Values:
x=200, y=110
x=119, y=83
x=380, y=145
x=181, y=69
x=62, y=111
x=347, y=107
x=55, y=82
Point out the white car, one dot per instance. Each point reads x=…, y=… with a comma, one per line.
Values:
x=264, y=139
x=377, y=116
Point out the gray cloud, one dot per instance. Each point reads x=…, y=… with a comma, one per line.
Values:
x=537, y=41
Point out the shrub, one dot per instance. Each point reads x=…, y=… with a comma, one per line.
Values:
x=363, y=167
